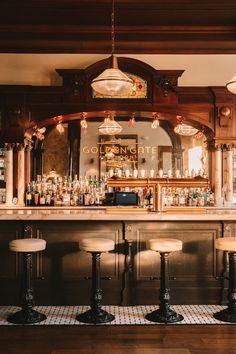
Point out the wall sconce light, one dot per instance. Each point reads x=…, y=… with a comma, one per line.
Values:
x=155, y=122
x=131, y=121
x=39, y=133
x=83, y=122
x=60, y=128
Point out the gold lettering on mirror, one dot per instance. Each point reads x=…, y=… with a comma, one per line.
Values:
x=138, y=147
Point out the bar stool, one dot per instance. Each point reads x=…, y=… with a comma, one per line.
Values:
x=96, y=314
x=26, y=247
x=228, y=244
x=164, y=314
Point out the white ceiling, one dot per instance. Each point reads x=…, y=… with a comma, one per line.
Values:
x=39, y=69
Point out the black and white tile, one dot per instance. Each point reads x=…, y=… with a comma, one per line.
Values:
x=124, y=315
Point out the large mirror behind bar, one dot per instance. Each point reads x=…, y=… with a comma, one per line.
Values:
x=88, y=152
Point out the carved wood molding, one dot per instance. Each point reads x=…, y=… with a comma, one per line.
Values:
x=224, y=116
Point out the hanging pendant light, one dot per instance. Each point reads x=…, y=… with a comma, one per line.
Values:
x=231, y=85
x=112, y=81
x=110, y=126
x=184, y=129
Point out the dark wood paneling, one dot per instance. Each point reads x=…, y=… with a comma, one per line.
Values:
x=195, y=267
x=62, y=272
x=66, y=271
x=10, y=263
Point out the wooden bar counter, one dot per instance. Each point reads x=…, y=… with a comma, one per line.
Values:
x=130, y=273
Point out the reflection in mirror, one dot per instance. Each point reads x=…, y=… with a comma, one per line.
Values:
x=147, y=149
x=55, y=151
x=118, y=155
x=195, y=155
x=146, y=158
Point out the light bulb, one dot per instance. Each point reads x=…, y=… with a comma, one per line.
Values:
x=131, y=122
x=155, y=123
x=83, y=123
x=60, y=128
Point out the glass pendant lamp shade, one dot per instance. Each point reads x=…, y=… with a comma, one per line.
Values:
x=231, y=85
x=112, y=81
x=110, y=127
x=185, y=129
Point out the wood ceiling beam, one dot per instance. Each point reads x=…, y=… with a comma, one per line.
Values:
x=141, y=27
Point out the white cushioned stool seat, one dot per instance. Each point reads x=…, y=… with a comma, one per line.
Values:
x=164, y=244
x=94, y=244
x=27, y=245
x=226, y=244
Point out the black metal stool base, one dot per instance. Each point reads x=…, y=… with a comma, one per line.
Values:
x=226, y=316
x=26, y=317
x=159, y=316
x=99, y=316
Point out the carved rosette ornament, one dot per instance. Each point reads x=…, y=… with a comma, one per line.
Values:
x=224, y=116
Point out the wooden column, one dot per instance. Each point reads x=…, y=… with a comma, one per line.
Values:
x=21, y=176
x=218, y=172
x=9, y=174
x=229, y=173
x=28, y=163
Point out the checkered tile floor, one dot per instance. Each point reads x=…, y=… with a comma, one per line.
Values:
x=124, y=315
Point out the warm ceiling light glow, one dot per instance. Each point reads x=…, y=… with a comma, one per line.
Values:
x=231, y=85
x=185, y=129
x=112, y=81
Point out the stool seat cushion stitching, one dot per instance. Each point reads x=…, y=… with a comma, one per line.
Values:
x=27, y=245
x=94, y=244
x=164, y=245
x=226, y=244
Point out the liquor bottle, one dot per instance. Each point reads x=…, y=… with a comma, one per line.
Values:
x=48, y=198
x=66, y=199
x=28, y=196
x=150, y=198
x=42, y=199
x=182, y=199
x=36, y=196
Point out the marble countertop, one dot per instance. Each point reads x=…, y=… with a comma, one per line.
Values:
x=112, y=214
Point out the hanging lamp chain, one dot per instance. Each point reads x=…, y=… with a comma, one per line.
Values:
x=113, y=28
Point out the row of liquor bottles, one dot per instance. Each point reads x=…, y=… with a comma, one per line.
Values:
x=63, y=191
x=93, y=191
x=192, y=197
